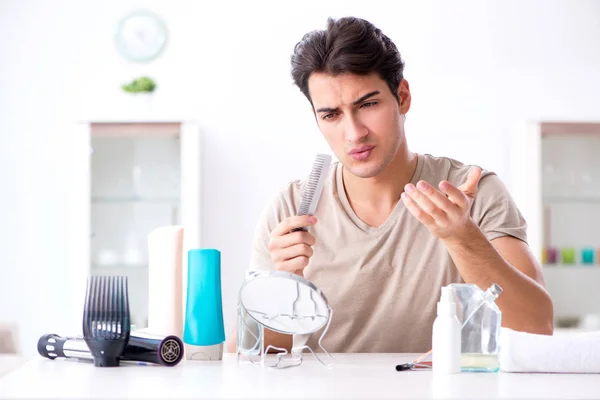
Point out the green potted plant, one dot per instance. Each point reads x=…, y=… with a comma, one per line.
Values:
x=138, y=97
x=142, y=84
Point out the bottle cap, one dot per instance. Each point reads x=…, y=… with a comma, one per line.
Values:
x=495, y=290
x=446, y=305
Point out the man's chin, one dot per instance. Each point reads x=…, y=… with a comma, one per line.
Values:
x=364, y=170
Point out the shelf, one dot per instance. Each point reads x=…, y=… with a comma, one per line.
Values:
x=573, y=267
x=135, y=128
x=97, y=267
x=109, y=200
x=571, y=199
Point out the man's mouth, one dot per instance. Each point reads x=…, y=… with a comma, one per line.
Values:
x=361, y=153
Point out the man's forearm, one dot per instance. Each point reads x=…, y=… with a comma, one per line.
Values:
x=279, y=340
x=525, y=304
x=274, y=339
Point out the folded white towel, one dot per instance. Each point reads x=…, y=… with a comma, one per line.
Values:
x=565, y=353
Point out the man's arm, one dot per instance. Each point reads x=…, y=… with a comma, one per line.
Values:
x=503, y=257
x=507, y=261
x=274, y=339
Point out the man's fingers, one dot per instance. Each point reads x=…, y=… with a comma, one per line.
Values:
x=288, y=253
x=438, y=198
x=291, y=251
x=293, y=265
x=470, y=186
x=416, y=211
x=455, y=194
x=281, y=242
x=425, y=203
x=294, y=222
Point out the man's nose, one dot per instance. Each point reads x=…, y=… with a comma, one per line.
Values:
x=355, y=129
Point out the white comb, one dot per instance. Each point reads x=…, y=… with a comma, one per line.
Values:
x=314, y=186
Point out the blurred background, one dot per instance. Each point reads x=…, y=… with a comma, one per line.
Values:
x=92, y=157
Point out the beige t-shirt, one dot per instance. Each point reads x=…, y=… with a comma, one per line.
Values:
x=383, y=283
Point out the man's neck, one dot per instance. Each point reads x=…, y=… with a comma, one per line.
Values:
x=380, y=194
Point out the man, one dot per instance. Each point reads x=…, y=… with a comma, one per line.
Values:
x=392, y=227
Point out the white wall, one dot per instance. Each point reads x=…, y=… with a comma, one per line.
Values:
x=477, y=69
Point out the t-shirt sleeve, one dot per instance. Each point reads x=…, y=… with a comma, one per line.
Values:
x=495, y=211
x=275, y=212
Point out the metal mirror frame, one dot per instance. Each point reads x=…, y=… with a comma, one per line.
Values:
x=296, y=358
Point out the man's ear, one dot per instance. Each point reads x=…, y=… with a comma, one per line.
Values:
x=404, y=94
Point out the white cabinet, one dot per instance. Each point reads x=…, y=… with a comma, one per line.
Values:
x=556, y=183
x=135, y=176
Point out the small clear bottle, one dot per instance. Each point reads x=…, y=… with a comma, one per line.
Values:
x=481, y=320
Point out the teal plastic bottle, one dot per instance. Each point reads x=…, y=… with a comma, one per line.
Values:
x=204, y=309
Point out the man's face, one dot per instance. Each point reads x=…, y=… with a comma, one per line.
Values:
x=360, y=119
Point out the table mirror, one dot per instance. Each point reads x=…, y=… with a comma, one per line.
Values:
x=282, y=302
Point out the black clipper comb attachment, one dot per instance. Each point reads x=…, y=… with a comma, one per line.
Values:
x=106, y=320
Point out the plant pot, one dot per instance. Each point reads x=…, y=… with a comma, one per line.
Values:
x=139, y=105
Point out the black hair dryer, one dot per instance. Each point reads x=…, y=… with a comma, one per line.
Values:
x=141, y=347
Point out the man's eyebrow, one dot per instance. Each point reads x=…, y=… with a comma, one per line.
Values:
x=327, y=109
x=366, y=96
x=358, y=101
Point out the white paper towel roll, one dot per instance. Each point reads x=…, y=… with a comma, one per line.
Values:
x=165, y=309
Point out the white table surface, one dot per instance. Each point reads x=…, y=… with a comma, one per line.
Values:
x=368, y=376
x=9, y=362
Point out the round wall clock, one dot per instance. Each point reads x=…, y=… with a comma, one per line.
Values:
x=141, y=36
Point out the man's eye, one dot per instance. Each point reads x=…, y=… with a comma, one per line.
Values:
x=369, y=104
x=329, y=116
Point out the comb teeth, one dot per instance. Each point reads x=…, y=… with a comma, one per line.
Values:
x=106, y=310
x=314, y=185
x=106, y=317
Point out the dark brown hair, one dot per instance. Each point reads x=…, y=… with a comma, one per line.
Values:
x=348, y=45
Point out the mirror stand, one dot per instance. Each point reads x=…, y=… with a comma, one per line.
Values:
x=250, y=333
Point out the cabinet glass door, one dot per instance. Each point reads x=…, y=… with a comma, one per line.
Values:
x=135, y=188
x=570, y=189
